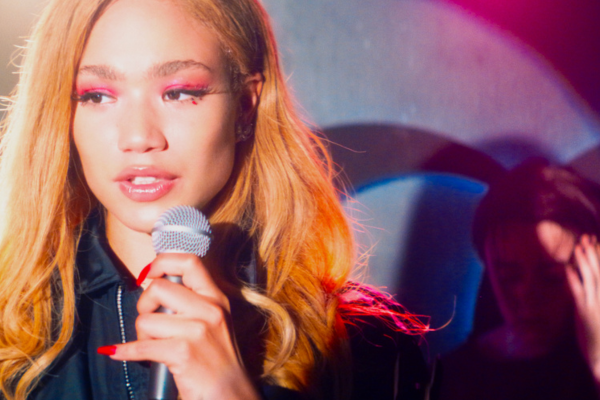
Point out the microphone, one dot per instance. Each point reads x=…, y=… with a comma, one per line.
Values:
x=180, y=229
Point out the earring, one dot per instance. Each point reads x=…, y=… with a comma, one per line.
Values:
x=243, y=132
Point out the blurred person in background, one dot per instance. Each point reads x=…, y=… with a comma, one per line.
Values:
x=537, y=232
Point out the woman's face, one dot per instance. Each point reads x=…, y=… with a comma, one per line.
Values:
x=154, y=125
x=526, y=265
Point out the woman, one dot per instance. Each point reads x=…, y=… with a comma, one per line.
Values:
x=536, y=231
x=129, y=107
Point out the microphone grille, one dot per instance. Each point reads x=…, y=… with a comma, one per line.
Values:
x=182, y=229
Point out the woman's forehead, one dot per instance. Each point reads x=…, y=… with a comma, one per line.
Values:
x=144, y=33
x=528, y=242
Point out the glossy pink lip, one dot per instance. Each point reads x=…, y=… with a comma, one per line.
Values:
x=148, y=191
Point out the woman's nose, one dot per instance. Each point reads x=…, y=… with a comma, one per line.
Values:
x=140, y=130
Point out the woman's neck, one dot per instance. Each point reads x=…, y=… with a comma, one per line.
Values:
x=133, y=248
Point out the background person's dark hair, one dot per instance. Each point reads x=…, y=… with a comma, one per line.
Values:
x=535, y=191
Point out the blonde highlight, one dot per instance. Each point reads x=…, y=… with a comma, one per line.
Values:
x=39, y=231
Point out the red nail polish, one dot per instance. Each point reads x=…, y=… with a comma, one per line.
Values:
x=143, y=275
x=107, y=350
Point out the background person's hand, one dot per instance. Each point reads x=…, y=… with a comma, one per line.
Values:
x=584, y=280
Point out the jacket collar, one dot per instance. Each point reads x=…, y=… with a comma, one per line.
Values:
x=97, y=266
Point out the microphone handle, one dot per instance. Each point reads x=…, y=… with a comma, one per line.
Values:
x=162, y=384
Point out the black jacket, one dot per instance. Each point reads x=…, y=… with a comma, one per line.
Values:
x=385, y=362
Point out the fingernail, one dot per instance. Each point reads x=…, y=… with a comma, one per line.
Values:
x=143, y=275
x=107, y=350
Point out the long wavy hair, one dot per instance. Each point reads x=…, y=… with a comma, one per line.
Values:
x=280, y=194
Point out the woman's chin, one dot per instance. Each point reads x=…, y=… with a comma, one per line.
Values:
x=140, y=221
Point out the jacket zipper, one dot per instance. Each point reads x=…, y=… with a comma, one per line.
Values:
x=124, y=340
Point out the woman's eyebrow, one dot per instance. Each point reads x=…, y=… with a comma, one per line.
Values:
x=102, y=71
x=160, y=70
x=171, y=67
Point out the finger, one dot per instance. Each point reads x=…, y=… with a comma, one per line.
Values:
x=592, y=253
x=180, y=299
x=149, y=350
x=589, y=246
x=575, y=285
x=587, y=280
x=161, y=326
x=164, y=326
x=197, y=369
x=193, y=271
x=175, y=353
x=589, y=265
x=583, y=262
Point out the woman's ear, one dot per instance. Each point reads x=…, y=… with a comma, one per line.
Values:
x=249, y=100
x=252, y=89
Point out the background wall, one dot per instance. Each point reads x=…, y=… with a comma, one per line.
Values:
x=433, y=65
x=430, y=65
x=16, y=17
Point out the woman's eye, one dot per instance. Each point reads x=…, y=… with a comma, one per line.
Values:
x=94, y=98
x=183, y=95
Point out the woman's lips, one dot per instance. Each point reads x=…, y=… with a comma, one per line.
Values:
x=145, y=184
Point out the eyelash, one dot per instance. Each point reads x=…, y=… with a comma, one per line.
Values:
x=88, y=97
x=195, y=94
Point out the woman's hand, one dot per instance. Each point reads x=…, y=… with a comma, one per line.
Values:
x=585, y=286
x=196, y=343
